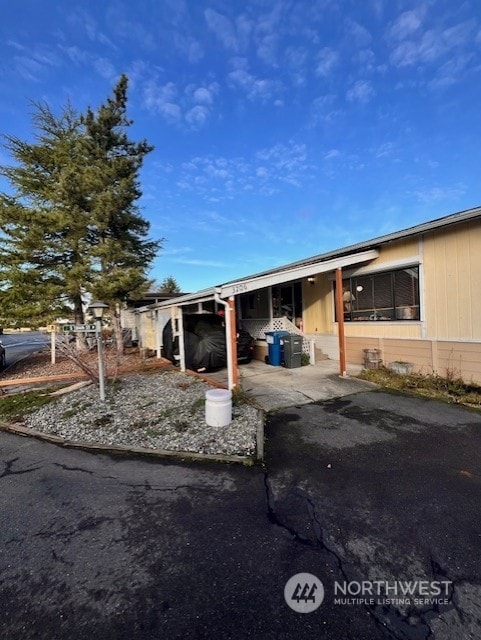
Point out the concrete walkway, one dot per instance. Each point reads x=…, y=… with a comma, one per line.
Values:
x=277, y=387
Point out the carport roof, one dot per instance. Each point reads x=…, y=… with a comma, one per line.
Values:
x=346, y=256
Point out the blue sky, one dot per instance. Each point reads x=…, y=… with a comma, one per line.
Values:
x=282, y=129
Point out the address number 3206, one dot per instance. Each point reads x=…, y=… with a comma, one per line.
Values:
x=239, y=288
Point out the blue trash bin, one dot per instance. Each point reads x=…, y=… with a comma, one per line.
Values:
x=275, y=347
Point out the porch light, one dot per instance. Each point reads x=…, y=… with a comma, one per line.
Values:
x=311, y=280
x=98, y=308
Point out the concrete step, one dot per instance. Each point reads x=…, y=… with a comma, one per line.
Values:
x=320, y=355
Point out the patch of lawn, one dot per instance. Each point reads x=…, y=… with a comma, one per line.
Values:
x=451, y=389
x=14, y=407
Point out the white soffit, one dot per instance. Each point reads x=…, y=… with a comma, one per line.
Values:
x=294, y=273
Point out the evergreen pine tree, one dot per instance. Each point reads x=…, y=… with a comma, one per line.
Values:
x=123, y=252
x=169, y=285
x=44, y=262
x=71, y=228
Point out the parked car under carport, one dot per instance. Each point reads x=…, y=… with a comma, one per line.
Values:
x=205, y=343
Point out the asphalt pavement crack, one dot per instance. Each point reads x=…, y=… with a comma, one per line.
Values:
x=8, y=471
x=66, y=468
x=388, y=618
x=273, y=518
x=395, y=624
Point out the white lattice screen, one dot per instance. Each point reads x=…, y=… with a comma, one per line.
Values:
x=258, y=327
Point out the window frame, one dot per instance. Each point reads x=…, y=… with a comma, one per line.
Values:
x=399, y=305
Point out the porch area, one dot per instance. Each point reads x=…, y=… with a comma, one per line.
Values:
x=274, y=388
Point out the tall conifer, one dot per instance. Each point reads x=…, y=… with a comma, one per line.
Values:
x=70, y=228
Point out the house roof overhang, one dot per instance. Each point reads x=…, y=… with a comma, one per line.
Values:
x=190, y=298
x=294, y=272
x=269, y=278
x=340, y=258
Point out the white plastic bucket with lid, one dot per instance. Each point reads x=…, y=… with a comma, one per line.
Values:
x=218, y=407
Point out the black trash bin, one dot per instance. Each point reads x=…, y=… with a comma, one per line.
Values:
x=292, y=351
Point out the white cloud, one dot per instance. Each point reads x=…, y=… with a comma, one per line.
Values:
x=407, y=24
x=84, y=21
x=385, y=150
x=451, y=71
x=361, y=91
x=439, y=194
x=365, y=58
x=105, y=68
x=191, y=107
x=75, y=54
x=189, y=47
x=202, y=263
x=244, y=28
x=202, y=96
x=411, y=52
x=323, y=110
x=220, y=178
x=416, y=46
x=162, y=99
x=296, y=59
x=33, y=61
x=222, y=28
x=254, y=88
x=357, y=34
x=332, y=153
x=197, y=116
x=327, y=59
x=267, y=49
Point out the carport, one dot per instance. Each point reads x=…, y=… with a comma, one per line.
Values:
x=225, y=295
x=272, y=388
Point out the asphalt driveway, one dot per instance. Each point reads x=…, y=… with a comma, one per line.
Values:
x=370, y=487
x=391, y=487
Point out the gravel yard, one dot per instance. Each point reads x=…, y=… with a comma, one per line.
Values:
x=163, y=409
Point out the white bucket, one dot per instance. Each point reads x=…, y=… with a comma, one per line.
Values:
x=218, y=407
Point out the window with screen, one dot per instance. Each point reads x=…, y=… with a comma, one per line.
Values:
x=390, y=295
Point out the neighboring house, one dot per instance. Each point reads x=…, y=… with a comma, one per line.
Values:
x=413, y=294
x=129, y=316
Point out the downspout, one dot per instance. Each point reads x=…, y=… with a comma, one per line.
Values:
x=231, y=336
x=340, y=322
x=158, y=342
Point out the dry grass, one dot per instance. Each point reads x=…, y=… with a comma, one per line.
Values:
x=451, y=388
x=39, y=364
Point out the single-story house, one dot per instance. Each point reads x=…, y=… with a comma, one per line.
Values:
x=412, y=295
x=128, y=314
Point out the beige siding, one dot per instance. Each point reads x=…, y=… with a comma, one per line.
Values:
x=460, y=359
x=452, y=273
x=318, y=309
x=451, y=359
x=397, y=251
x=381, y=329
x=147, y=330
x=450, y=262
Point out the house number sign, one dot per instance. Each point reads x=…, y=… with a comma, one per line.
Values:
x=239, y=288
